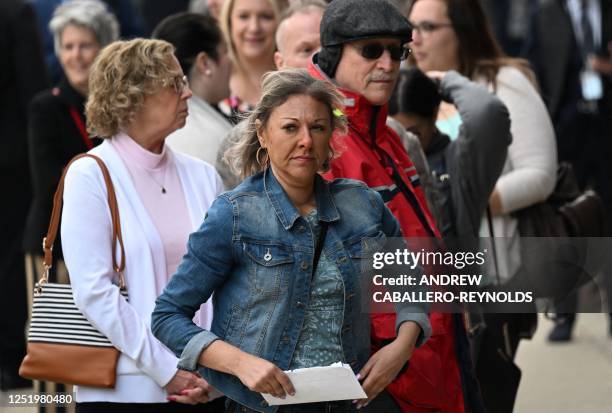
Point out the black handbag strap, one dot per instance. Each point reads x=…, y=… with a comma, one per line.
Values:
x=319, y=246
x=386, y=160
x=493, y=246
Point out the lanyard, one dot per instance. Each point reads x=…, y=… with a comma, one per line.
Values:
x=81, y=127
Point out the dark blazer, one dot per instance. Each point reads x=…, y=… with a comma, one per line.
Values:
x=54, y=138
x=22, y=75
x=554, y=53
x=583, y=138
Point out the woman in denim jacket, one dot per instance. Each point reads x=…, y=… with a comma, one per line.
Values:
x=256, y=249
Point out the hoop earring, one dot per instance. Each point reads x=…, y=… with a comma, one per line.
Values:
x=326, y=165
x=260, y=163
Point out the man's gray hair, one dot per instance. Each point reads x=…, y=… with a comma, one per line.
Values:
x=91, y=14
x=295, y=7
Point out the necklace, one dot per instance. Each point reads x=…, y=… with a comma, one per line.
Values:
x=163, y=187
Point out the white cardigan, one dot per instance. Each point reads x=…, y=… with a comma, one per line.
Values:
x=145, y=364
x=529, y=174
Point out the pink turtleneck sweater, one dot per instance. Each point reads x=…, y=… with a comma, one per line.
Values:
x=150, y=173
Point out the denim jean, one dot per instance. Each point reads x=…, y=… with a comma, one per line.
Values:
x=343, y=406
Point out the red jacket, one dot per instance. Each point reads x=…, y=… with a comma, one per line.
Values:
x=432, y=382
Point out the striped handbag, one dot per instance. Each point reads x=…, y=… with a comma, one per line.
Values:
x=63, y=346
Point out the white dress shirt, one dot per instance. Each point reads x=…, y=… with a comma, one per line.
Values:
x=594, y=13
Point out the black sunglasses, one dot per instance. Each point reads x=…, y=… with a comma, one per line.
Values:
x=372, y=51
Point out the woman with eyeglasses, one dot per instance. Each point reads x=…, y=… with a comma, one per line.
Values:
x=137, y=97
x=455, y=35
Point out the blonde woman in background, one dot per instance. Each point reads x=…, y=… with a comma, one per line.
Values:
x=249, y=27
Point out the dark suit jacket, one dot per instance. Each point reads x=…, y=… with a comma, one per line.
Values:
x=54, y=139
x=553, y=51
x=22, y=75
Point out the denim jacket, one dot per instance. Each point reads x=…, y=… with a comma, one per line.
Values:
x=254, y=252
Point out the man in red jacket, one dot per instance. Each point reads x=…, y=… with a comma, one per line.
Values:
x=363, y=42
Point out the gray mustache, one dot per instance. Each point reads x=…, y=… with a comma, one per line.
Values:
x=382, y=78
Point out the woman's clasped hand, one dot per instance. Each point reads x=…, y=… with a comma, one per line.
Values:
x=189, y=388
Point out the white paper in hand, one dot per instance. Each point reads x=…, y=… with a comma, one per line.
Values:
x=321, y=384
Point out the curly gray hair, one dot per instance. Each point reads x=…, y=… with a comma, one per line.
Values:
x=91, y=14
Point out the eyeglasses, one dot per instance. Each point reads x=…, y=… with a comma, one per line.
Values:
x=372, y=51
x=427, y=27
x=180, y=83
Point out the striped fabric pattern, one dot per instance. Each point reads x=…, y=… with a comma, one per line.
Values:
x=56, y=319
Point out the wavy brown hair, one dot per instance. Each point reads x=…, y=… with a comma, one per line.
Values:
x=276, y=89
x=123, y=74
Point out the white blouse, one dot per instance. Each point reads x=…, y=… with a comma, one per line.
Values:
x=529, y=174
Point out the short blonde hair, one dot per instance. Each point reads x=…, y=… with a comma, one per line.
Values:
x=122, y=75
x=225, y=21
x=277, y=87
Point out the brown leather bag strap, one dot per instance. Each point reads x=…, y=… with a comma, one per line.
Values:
x=49, y=240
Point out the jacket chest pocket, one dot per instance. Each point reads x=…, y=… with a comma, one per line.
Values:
x=269, y=265
x=360, y=250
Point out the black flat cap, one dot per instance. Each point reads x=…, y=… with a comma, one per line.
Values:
x=350, y=20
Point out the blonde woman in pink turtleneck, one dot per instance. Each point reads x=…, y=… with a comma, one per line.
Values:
x=137, y=97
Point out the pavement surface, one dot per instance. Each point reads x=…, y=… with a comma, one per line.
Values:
x=574, y=377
